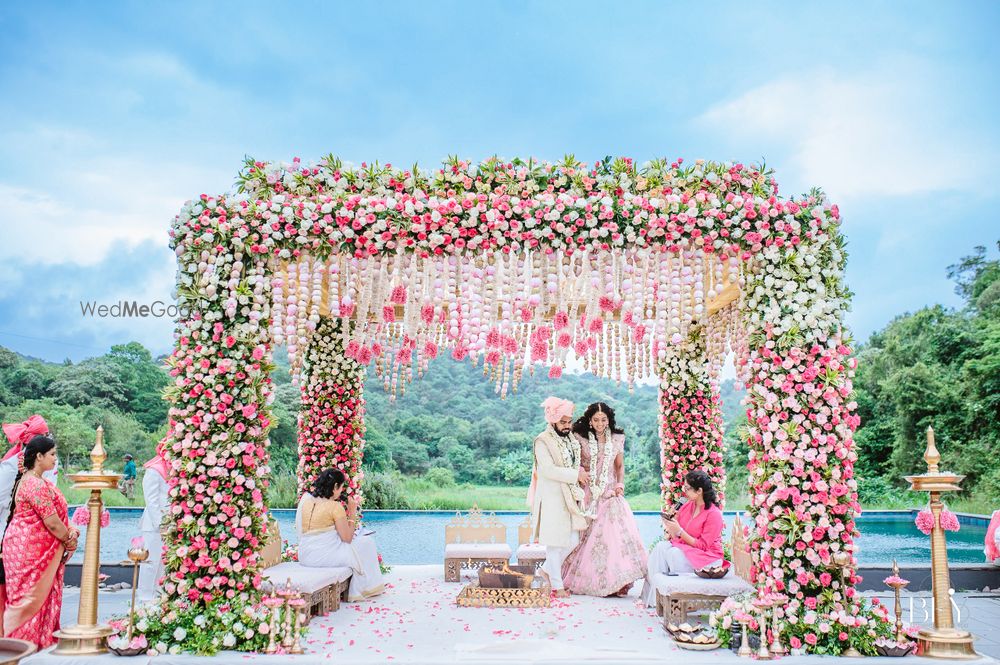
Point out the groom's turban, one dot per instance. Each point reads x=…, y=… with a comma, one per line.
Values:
x=556, y=409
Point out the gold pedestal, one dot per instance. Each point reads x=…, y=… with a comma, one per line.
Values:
x=83, y=640
x=947, y=643
x=88, y=638
x=944, y=640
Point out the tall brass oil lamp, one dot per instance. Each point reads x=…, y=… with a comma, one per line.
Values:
x=87, y=637
x=944, y=640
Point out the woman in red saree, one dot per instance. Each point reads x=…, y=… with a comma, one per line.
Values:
x=36, y=544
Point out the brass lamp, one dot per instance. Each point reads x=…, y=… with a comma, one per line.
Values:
x=944, y=640
x=87, y=637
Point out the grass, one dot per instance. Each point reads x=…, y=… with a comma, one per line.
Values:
x=462, y=497
x=111, y=498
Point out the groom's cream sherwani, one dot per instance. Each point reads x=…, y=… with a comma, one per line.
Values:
x=555, y=508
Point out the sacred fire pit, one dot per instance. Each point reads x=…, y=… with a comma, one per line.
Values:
x=507, y=586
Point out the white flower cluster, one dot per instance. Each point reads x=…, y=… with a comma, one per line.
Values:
x=796, y=293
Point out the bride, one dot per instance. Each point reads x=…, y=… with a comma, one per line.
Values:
x=610, y=556
x=327, y=536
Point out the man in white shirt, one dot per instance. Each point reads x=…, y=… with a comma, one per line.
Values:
x=154, y=489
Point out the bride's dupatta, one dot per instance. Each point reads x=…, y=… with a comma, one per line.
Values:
x=33, y=564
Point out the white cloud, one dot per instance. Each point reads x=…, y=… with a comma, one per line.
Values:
x=895, y=129
x=85, y=206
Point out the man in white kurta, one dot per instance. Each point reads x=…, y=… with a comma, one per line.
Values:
x=555, y=495
x=154, y=490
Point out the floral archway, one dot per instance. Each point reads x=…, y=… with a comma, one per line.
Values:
x=641, y=272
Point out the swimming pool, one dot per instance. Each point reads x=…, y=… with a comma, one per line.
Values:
x=417, y=537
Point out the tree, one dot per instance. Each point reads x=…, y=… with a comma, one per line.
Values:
x=144, y=380
x=378, y=457
x=409, y=456
x=462, y=461
x=30, y=380
x=8, y=358
x=96, y=381
x=514, y=467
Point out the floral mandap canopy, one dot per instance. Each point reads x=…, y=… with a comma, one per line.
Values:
x=638, y=271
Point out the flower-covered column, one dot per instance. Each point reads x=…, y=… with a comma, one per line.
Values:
x=801, y=419
x=331, y=423
x=690, y=419
x=216, y=446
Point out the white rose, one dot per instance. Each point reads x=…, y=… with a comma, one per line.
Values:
x=179, y=634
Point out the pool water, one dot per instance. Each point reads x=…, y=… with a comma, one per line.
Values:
x=417, y=537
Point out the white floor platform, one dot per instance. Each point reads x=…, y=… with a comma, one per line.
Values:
x=417, y=621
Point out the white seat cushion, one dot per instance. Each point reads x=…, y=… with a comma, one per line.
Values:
x=308, y=580
x=531, y=551
x=691, y=583
x=477, y=551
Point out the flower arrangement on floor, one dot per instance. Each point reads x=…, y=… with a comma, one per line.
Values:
x=891, y=646
x=858, y=624
x=331, y=421
x=176, y=630
x=382, y=566
x=120, y=642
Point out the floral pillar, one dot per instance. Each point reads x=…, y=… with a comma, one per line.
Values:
x=331, y=424
x=217, y=442
x=801, y=420
x=690, y=419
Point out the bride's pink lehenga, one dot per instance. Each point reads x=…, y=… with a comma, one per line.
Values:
x=33, y=563
x=610, y=556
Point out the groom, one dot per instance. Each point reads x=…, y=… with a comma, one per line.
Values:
x=555, y=495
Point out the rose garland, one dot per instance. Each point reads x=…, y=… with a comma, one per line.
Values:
x=216, y=444
x=331, y=423
x=529, y=237
x=690, y=420
x=801, y=419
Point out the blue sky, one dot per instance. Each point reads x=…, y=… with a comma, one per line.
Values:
x=115, y=113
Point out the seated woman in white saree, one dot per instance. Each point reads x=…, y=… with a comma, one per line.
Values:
x=327, y=537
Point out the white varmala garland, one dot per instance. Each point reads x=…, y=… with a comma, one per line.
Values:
x=599, y=482
x=570, y=450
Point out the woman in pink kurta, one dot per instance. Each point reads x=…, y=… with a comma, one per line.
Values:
x=694, y=536
x=699, y=534
x=35, y=547
x=610, y=556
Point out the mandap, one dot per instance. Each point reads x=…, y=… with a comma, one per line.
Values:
x=653, y=271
